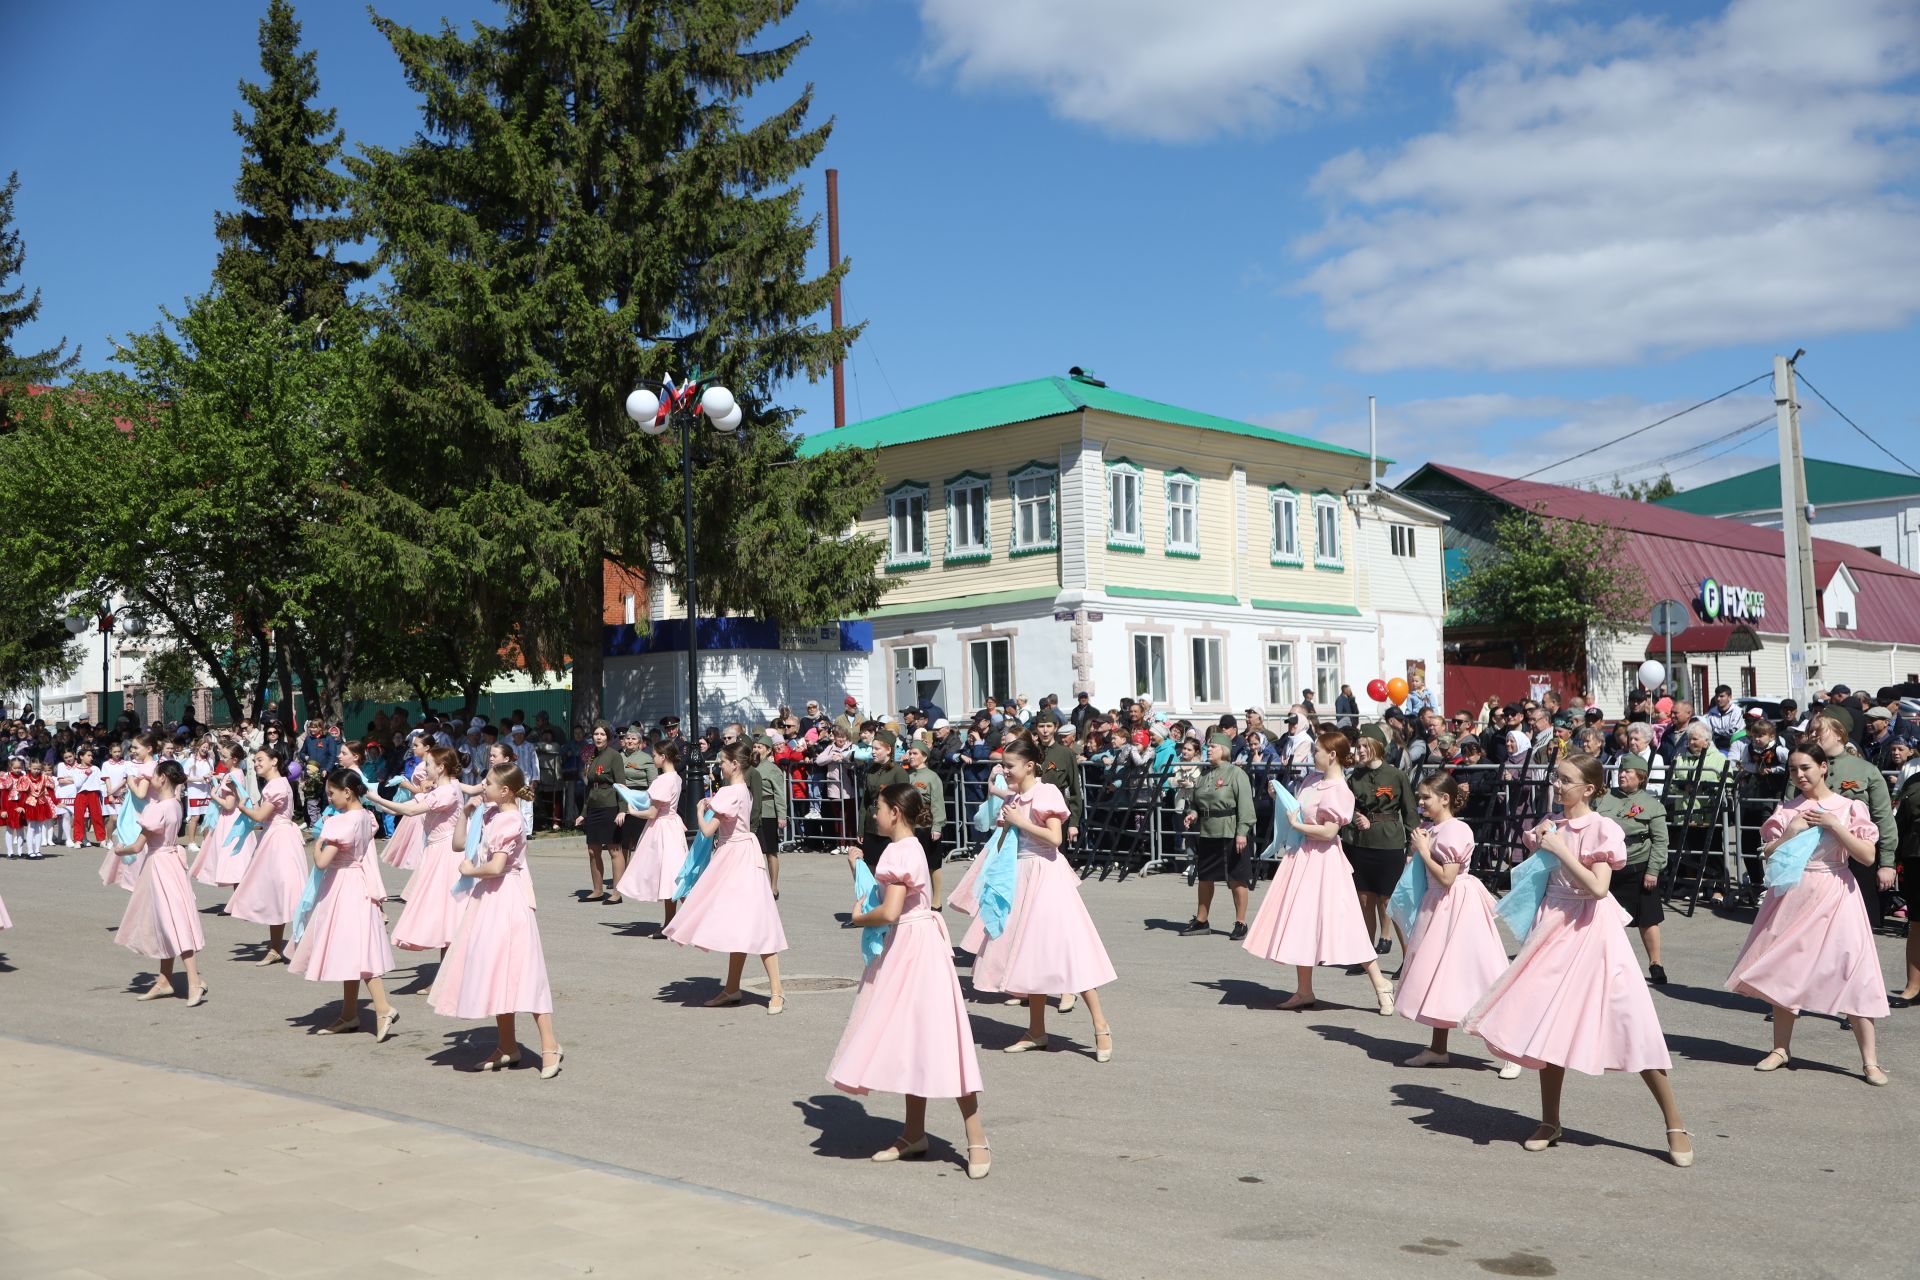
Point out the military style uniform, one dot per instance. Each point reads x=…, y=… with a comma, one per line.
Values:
x=1379, y=853
x=1060, y=765
x=1855, y=779
x=768, y=782
x=640, y=776
x=928, y=784
x=880, y=775
x=1643, y=820
x=1222, y=808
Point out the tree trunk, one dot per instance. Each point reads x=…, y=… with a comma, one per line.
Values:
x=589, y=650
x=204, y=651
x=284, y=670
x=263, y=663
x=470, y=694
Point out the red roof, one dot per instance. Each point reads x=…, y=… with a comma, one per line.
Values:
x=1676, y=550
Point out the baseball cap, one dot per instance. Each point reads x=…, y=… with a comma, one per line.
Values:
x=852, y=701
x=1840, y=691
x=1754, y=713
x=1594, y=713
x=1512, y=709
x=1879, y=713
x=942, y=723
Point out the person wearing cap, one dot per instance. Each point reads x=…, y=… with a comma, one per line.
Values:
x=1375, y=839
x=1221, y=815
x=1879, y=736
x=1296, y=744
x=924, y=780
x=1060, y=765
x=1643, y=821
x=1851, y=776
x=602, y=815
x=638, y=759
x=1083, y=711
x=1346, y=709
x=849, y=717
x=883, y=771
x=769, y=816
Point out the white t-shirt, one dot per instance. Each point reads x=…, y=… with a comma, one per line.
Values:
x=89, y=779
x=66, y=781
x=114, y=775
x=199, y=779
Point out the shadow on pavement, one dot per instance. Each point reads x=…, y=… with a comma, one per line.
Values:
x=848, y=1131
x=689, y=993
x=468, y=1048
x=635, y=928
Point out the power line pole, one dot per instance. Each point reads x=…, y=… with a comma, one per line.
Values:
x=1803, y=626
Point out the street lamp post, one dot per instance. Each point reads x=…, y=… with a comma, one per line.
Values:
x=655, y=409
x=132, y=624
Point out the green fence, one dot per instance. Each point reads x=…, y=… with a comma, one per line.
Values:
x=496, y=707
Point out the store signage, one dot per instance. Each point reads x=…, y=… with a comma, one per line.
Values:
x=1722, y=600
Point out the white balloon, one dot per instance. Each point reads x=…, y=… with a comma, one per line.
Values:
x=642, y=405
x=728, y=421
x=716, y=402
x=1651, y=674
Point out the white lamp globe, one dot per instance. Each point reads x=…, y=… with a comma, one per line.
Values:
x=730, y=421
x=76, y=624
x=716, y=403
x=1651, y=674
x=642, y=405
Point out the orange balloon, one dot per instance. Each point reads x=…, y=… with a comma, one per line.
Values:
x=1397, y=691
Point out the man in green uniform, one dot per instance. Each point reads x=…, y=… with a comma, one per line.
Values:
x=928, y=784
x=768, y=781
x=1376, y=840
x=1060, y=765
x=1643, y=819
x=1848, y=775
x=1221, y=816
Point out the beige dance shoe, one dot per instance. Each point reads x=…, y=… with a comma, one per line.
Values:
x=548, y=1072
x=1026, y=1044
x=902, y=1151
x=978, y=1169
x=1552, y=1139
x=1681, y=1159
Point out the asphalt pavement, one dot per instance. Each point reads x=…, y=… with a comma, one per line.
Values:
x=1224, y=1139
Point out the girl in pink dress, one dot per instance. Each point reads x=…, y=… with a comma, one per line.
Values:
x=129, y=789
x=1575, y=997
x=1811, y=946
x=405, y=844
x=162, y=920
x=222, y=860
x=731, y=906
x=662, y=850
x=345, y=940
x=909, y=1031
x=270, y=889
x=1311, y=914
x=495, y=967
x=1049, y=943
x=432, y=913
x=1454, y=953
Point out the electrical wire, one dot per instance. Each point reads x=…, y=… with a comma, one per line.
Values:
x=866, y=335
x=1665, y=459
x=1607, y=444
x=1905, y=465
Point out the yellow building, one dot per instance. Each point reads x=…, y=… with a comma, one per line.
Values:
x=1059, y=535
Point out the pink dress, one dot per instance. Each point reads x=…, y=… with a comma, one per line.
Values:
x=112, y=870
x=270, y=890
x=404, y=845
x=222, y=862
x=428, y=921
x=1811, y=946
x=909, y=1031
x=346, y=936
x=162, y=920
x=731, y=907
x=1574, y=997
x=6, y=921
x=1311, y=914
x=1455, y=953
x=662, y=851
x=495, y=964
x=1049, y=944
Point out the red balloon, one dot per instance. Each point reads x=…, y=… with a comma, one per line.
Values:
x=1377, y=689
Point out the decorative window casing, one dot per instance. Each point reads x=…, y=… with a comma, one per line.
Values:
x=907, y=526
x=1150, y=666
x=990, y=669
x=912, y=657
x=969, y=519
x=1327, y=551
x=1034, y=489
x=1279, y=662
x=1126, y=523
x=1284, y=506
x=1183, y=515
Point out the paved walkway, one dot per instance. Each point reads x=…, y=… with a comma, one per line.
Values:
x=111, y=1169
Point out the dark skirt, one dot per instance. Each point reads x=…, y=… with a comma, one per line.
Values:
x=597, y=824
x=930, y=845
x=1641, y=903
x=872, y=845
x=630, y=831
x=1215, y=858
x=1375, y=871
x=767, y=830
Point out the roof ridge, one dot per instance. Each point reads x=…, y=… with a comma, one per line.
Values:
x=1073, y=398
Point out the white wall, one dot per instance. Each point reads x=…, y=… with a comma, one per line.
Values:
x=1893, y=526
x=742, y=684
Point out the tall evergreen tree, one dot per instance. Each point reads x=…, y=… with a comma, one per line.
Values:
x=278, y=250
x=587, y=208
x=19, y=369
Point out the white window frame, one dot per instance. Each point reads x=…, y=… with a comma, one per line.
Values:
x=1129, y=475
x=1207, y=660
x=1325, y=690
x=899, y=556
x=959, y=489
x=1326, y=507
x=1283, y=506
x=1400, y=538
x=1186, y=546
x=1277, y=656
x=903, y=657
x=1019, y=502
x=1156, y=680
x=982, y=689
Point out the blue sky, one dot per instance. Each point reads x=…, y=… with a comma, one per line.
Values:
x=1525, y=226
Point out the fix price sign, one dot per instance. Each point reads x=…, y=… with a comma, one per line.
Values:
x=1723, y=600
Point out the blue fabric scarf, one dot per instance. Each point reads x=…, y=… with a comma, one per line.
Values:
x=1286, y=837
x=126, y=826
x=1521, y=907
x=1404, y=906
x=1790, y=858
x=697, y=858
x=867, y=894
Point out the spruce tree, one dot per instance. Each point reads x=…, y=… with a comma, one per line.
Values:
x=588, y=207
x=277, y=251
x=20, y=369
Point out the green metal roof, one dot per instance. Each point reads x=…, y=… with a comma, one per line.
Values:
x=1827, y=483
x=1027, y=401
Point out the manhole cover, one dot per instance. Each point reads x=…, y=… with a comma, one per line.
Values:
x=805, y=984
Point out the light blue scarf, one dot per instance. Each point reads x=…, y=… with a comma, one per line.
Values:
x=999, y=879
x=307, y=900
x=638, y=801
x=126, y=826
x=1287, y=838
x=867, y=894
x=697, y=858
x=1404, y=906
x=1789, y=859
x=1521, y=907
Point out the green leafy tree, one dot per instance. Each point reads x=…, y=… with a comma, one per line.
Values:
x=1645, y=490
x=278, y=251
x=1554, y=585
x=589, y=206
x=21, y=369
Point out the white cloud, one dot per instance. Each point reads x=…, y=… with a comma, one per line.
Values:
x=1605, y=196
x=1177, y=70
